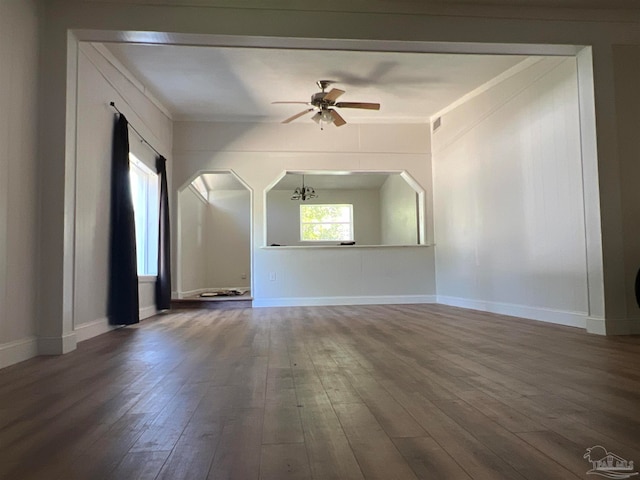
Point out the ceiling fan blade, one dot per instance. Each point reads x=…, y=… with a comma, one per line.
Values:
x=296, y=103
x=297, y=115
x=338, y=121
x=333, y=95
x=366, y=106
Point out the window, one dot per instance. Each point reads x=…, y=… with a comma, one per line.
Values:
x=144, y=193
x=326, y=223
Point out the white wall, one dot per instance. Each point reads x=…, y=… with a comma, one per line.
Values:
x=261, y=153
x=398, y=212
x=229, y=239
x=398, y=25
x=193, y=243
x=283, y=215
x=18, y=181
x=510, y=229
x=99, y=82
x=214, y=241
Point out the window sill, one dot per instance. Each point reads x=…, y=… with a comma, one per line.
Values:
x=311, y=247
x=147, y=278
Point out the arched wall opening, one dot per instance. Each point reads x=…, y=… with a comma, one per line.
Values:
x=214, y=236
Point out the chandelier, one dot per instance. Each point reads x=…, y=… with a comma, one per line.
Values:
x=303, y=193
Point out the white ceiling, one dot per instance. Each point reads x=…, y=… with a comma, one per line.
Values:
x=239, y=84
x=222, y=181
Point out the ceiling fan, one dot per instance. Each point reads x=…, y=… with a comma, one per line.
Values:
x=324, y=104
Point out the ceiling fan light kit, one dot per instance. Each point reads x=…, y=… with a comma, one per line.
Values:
x=324, y=104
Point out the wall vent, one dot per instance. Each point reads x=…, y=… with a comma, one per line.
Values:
x=436, y=124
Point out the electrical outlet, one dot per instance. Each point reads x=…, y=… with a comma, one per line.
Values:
x=243, y=276
x=272, y=276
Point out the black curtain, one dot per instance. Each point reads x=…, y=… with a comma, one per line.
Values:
x=123, y=306
x=163, y=283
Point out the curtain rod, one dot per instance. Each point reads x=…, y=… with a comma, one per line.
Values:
x=144, y=140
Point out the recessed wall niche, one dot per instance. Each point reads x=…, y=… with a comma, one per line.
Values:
x=383, y=208
x=214, y=234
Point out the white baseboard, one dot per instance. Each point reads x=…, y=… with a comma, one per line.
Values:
x=198, y=291
x=362, y=300
x=191, y=293
x=597, y=326
x=57, y=345
x=88, y=330
x=560, y=317
x=146, y=312
x=18, y=351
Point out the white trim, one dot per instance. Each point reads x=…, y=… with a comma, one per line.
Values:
x=147, y=312
x=115, y=63
x=343, y=247
x=222, y=289
x=361, y=300
x=197, y=193
x=18, y=351
x=191, y=293
x=517, y=68
x=57, y=345
x=88, y=330
x=597, y=326
x=97, y=327
x=560, y=317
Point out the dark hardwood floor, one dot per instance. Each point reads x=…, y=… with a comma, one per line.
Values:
x=369, y=392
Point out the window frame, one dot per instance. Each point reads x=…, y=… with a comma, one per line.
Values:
x=350, y=223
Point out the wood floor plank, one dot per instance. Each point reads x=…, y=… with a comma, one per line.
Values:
x=392, y=416
x=564, y=451
x=339, y=392
x=284, y=461
x=238, y=453
x=330, y=455
x=374, y=450
x=140, y=465
x=504, y=444
x=428, y=459
x=194, y=452
x=282, y=425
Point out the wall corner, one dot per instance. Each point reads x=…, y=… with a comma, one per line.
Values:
x=57, y=345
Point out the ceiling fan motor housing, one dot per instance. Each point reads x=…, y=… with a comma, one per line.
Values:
x=317, y=99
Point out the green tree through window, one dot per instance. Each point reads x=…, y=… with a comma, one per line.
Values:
x=326, y=223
